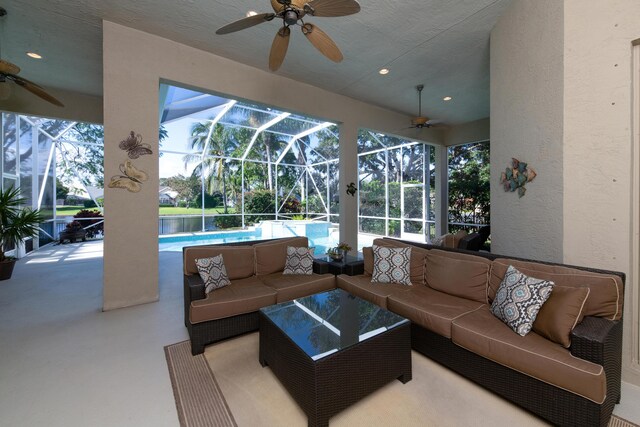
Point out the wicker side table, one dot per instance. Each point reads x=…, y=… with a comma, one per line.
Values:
x=351, y=265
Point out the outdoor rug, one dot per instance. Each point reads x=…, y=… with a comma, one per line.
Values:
x=227, y=387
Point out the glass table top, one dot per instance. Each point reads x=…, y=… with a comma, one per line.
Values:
x=325, y=323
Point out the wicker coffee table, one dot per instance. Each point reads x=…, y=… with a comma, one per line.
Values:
x=331, y=349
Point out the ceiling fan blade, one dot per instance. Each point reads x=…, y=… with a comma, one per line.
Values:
x=279, y=48
x=7, y=67
x=322, y=42
x=332, y=7
x=246, y=23
x=34, y=89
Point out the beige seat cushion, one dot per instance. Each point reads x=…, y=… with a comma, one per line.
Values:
x=461, y=275
x=417, y=263
x=272, y=256
x=375, y=293
x=238, y=260
x=606, y=290
x=431, y=309
x=292, y=286
x=484, y=334
x=242, y=296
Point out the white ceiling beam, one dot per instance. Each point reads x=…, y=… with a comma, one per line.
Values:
x=222, y=112
x=302, y=135
x=262, y=128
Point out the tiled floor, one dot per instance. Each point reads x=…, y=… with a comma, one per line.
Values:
x=64, y=362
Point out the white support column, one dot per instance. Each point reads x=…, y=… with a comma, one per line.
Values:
x=327, y=205
x=243, y=190
x=402, y=215
x=386, y=191
x=348, y=172
x=425, y=193
x=35, y=159
x=442, y=190
x=54, y=232
x=35, y=181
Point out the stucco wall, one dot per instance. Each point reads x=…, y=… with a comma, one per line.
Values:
x=598, y=143
x=526, y=123
x=478, y=130
x=134, y=63
x=77, y=106
x=571, y=119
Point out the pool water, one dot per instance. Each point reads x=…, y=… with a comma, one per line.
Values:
x=175, y=243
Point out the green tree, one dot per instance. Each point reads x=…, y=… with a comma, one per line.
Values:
x=260, y=202
x=222, y=142
x=469, y=185
x=186, y=187
x=83, y=161
x=86, y=161
x=61, y=190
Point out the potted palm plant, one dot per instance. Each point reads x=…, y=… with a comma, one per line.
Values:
x=16, y=223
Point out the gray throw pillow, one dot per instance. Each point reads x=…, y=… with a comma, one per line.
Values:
x=519, y=299
x=299, y=261
x=391, y=265
x=438, y=241
x=213, y=273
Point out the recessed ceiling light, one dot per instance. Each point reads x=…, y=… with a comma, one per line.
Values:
x=384, y=71
x=447, y=98
x=34, y=55
x=251, y=13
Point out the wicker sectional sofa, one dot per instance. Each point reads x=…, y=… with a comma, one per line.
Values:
x=255, y=270
x=448, y=305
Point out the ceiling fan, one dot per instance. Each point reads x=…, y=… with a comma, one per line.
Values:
x=9, y=73
x=292, y=12
x=420, y=121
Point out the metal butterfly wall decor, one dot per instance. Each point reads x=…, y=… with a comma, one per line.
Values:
x=134, y=146
x=131, y=178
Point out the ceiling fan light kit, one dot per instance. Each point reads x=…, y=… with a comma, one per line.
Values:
x=292, y=13
x=421, y=121
x=9, y=73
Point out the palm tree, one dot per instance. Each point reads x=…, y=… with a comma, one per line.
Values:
x=16, y=222
x=271, y=143
x=213, y=162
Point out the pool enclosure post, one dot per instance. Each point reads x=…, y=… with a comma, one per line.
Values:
x=242, y=189
x=327, y=205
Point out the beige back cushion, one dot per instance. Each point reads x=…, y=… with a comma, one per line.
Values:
x=367, y=254
x=561, y=313
x=272, y=256
x=238, y=260
x=418, y=256
x=606, y=290
x=452, y=240
x=462, y=275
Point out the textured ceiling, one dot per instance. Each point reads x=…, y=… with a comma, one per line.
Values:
x=441, y=43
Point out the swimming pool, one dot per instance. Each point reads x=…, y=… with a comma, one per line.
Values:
x=175, y=243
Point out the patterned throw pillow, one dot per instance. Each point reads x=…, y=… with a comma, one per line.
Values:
x=213, y=273
x=299, y=261
x=391, y=265
x=519, y=299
